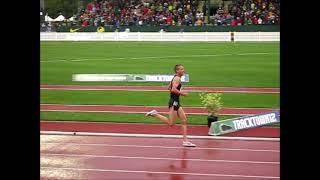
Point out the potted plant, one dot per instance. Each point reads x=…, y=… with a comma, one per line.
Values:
x=212, y=102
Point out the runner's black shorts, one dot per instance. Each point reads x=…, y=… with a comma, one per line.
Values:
x=175, y=104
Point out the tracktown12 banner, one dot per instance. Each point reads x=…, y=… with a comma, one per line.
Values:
x=127, y=77
x=246, y=122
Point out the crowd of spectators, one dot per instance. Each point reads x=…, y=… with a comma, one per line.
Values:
x=141, y=12
x=176, y=12
x=247, y=12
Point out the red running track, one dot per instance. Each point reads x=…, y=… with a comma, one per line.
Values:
x=159, y=88
x=144, y=109
x=106, y=157
x=140, y=128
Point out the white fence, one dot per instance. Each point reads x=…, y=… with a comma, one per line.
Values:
x=257, y=36
x=160, y=36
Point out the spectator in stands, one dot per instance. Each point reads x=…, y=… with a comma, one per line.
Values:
x=168, y=19
x=234, y=22
x=198, y=23
x=259, y=20
x=85, y=23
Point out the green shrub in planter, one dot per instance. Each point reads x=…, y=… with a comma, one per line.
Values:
x=212, y=102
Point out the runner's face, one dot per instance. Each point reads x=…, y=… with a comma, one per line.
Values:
x=180, y=71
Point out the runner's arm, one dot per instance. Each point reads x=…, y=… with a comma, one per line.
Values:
x=175, y=83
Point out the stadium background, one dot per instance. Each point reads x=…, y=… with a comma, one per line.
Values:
x=88, y=132
x=254, y=64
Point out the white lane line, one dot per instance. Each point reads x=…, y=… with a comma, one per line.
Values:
x=156, y=136
x=153, y=90
x=153, y=158
x=161, y=57
x=125, y=106
x=162, y=147
x=133, y=112
x=157, y=172
x=164, y=87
